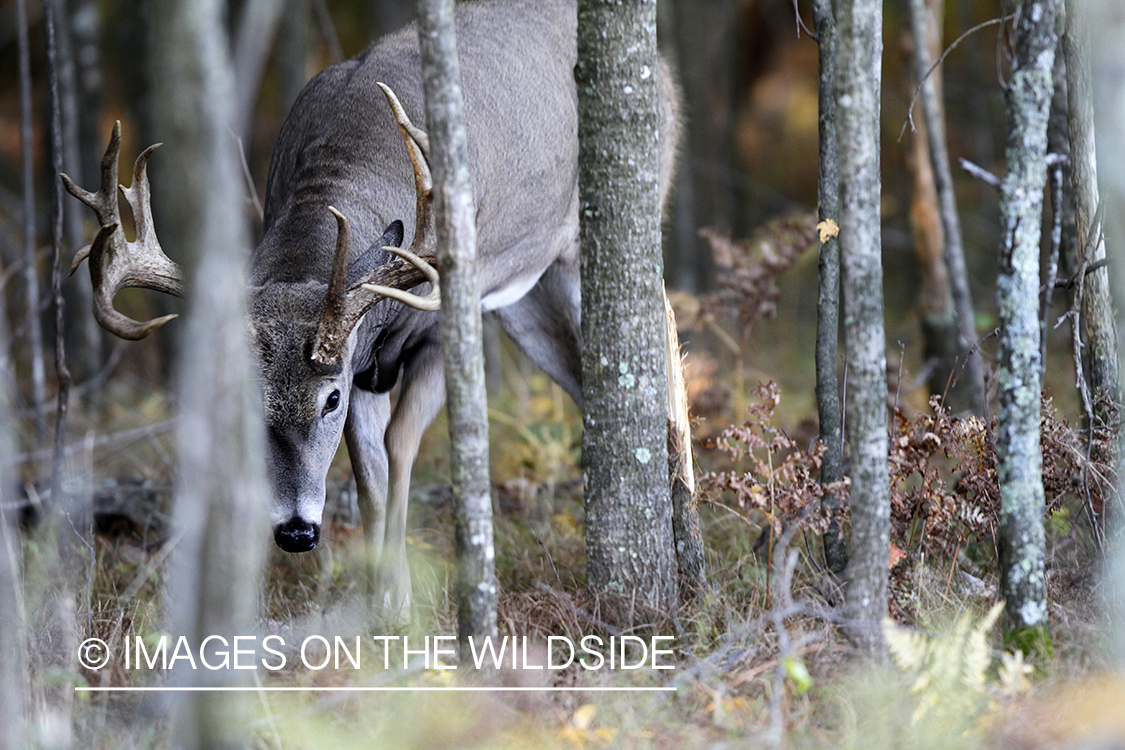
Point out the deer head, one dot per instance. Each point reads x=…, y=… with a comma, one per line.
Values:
x=304, y=336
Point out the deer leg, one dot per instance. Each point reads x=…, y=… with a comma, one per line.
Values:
x=364, y=431
x=546, y=325
x=420, y=399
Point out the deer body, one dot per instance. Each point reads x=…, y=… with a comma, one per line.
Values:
x=341, y=147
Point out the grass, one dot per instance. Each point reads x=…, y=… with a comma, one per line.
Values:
x=736, y=684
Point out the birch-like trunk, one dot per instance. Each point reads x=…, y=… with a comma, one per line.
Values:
x=13, y=671
x=221, y=492
x=1018, y=458
x=629, y=537
x=1097, y=309
x=30, y=238
x=461, y=333
x=1107, y=58
x=859, y=76
x=828, y=300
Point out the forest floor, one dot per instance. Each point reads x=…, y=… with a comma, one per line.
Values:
x=759, y=657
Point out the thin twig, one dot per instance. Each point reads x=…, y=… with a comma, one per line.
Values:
x=249, y=178
x=1069, y=283
x=980, y=173
x=61, y=369
x=801, y=23
x=918, y=89
x=138, y=433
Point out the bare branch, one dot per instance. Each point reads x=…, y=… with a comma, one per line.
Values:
x=980, y=173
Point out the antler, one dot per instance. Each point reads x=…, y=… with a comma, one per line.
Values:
x=344, y=305
x=116, y=263
x=418, y=147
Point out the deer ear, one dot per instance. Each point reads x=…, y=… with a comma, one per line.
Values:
x=364, y=264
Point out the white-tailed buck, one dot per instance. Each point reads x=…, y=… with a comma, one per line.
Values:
x=332, y=322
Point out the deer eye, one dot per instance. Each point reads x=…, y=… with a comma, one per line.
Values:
x=331, y=403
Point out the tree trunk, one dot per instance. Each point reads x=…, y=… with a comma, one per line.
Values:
x=257, y=27
x=947, y=317
x=1097, y=309
x=629, y=537
x=858, y=107
x=221, y=493
x=1107, y=57
x=967, y=389
x=30, y=240
x=1019, y=462
x=461, y=333
x=13, y=673
x=828, y=300
x=83, y=335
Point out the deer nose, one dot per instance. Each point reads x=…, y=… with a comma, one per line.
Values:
x=297, y=535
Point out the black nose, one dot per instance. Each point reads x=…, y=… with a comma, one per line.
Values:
x=297, y=535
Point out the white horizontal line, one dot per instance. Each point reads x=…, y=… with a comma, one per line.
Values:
x=355, y=689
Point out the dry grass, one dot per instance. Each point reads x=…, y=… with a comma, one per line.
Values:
x=737, y=684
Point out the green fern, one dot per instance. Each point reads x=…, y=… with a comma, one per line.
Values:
x=950, y=669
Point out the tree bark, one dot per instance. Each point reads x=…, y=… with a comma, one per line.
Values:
x=965, y=371
x=256, y=30
x=629, y=537
x=31, y=269
x=13, y=672
x=221, y=492
x=1097, y=309
x=1018, y=458
x=828, y=300
x=858, y=107
x=461, y=331
x=83, y=335
x=1107, y=59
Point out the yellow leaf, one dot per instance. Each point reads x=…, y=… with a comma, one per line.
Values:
x=584, y=716
x=828, y=229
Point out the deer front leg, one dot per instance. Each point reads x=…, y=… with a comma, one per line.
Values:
x=420, y=399
x=364, y=431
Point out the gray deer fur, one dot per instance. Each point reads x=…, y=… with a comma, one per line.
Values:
x=341, y=147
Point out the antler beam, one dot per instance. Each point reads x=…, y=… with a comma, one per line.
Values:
x=116, y=263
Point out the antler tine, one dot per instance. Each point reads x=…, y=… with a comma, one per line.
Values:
x=116, y=263
x=425, y=242
x=103, y=202
x=409, y=128
x=335, y=323
x=429, y=302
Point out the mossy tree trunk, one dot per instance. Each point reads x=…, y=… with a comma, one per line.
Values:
x=629, y=537
x=1018, y=457
x=461, y=333
x=858, y=107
